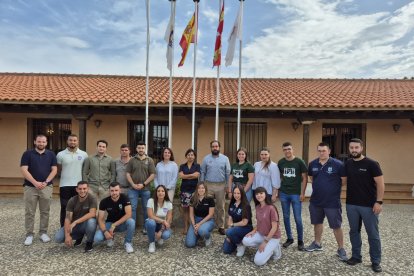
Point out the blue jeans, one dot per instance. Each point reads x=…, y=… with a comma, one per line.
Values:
x=235, y=235
x=357, y=215
x=152, y=227
x=294, y=200
x=128, y=226
x=87, y=228
x=133, y=197
x=204, y=231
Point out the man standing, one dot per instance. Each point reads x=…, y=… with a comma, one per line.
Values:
x=364, y=195
x=140, y=171
x=327, y=175
x=292, y=192
x=215, y=172
x=70, y=163
x=39, y=167
x=117, y=207
x=97, y=171
x=80, y=218
x=119, y=167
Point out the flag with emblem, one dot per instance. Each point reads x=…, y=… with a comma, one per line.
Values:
x=189, y=36
x=217, y=48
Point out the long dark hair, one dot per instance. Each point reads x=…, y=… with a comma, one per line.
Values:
x=268, y=201
x=155, y=197
x=243, y=201
x=267, y=164
x=245, y=152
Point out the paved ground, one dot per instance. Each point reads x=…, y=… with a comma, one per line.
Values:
x=397, y=232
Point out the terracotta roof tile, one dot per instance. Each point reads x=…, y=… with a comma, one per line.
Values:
x=257, y=93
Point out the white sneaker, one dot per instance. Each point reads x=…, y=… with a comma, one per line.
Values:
x=277, y=254
x=208, y=242
x=151, y=248
x=28, y=241
x=44, y=238
x=110, y=243
x=128, y=247
x=160, y=242
x=240, y=250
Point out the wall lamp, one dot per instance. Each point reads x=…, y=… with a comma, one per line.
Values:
x=98, y=123
x=396, y=127
x=295, y=126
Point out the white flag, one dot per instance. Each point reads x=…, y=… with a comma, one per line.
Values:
x=169, y=37
x=236, y=33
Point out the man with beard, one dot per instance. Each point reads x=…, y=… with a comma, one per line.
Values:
x=364, y=195
x=70, y=163
x=140, y=171
x=117, y=207
x=215, y=172
x=39, y=167
x=80, y=218
x=97, y=170
x=119, y=167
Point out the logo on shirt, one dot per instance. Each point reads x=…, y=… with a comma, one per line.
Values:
x=289, y=172
x=330, y=170
x=79, y=157
x=85, y=207
x=120, y=206
x=165, y=210
x=239, y=212
x=238, y=173
x=362, y=170
x=314, y=169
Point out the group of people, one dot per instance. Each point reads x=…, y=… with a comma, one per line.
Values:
x=119, y=184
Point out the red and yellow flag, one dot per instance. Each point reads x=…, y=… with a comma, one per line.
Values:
x=189, y=36
x=217, y=48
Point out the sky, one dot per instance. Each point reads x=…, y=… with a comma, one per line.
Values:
x=281, y=38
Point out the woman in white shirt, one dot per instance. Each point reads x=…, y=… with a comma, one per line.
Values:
x=266, y=175
x=158, y=224
x=166, y=172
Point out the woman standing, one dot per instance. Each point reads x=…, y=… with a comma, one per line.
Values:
x=266, y=236
x=201, y=217
x=166, y=172
x=189, y=173
x=158, y=224
x=239, y=222
x=266, y=175
x=242, y=173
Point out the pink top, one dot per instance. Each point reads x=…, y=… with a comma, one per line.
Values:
x=264, y=216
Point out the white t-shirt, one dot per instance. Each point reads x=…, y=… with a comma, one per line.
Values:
x=161, y=212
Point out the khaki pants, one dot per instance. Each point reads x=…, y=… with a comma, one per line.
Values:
x=218, y=191
x=171, y=194
x=32, y=196
x=99, y=192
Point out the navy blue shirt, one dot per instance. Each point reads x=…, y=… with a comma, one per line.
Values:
x=326, y=182
x=39, y=165
x=236, y=213
x=189, y=185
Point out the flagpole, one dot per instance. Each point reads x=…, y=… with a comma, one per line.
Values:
x=217, y=102
x=240, y=84
x=147, y=77
x=194, y=74
x=170, y=108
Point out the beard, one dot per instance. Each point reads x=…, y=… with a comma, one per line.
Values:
x=355, y=155
x=40, y=147
x=215, y=152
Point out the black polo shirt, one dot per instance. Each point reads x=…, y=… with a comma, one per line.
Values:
x=39, y=164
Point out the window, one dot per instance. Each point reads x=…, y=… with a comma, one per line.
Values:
x=56, y=131
x=157, y=137
x=253, y=137
x=338, y=136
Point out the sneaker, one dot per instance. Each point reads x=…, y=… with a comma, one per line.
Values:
x=44, y=238
x=353, y=261
x=151, y=248
x=208, y=242
x=376, y=268
x=277, y=254
x=341, y=253
x=28, y=241
x=160, y=241
x=314, y=247
x=88, y=247
x=240, y=250
x=144, y=231
x=301, y=246
x=77, y=242
x=288, y=243
x=128, y=247
x=110, y=243
x=222, y=231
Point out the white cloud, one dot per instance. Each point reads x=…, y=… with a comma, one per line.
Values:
x=73, y=42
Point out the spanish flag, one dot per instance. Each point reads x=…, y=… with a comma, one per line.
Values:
x=189, y=36
x=217, y=48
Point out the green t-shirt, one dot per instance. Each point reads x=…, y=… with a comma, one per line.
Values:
x=291, y=173
x=241, y=172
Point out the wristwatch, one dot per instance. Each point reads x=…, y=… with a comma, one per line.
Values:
x=379, y=202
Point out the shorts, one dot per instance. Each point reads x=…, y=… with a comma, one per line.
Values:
x=185, y=198
x=333, y=215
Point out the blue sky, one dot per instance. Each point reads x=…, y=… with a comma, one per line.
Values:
x=281, y=38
